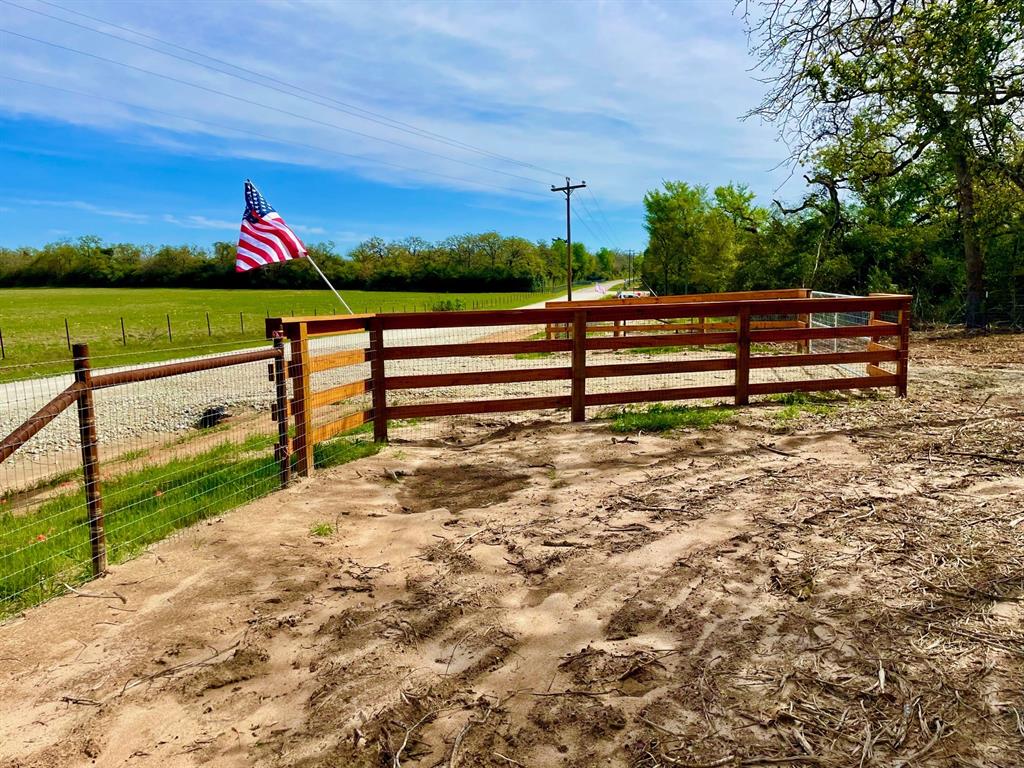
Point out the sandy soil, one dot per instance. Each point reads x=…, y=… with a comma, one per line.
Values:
x=845, y=589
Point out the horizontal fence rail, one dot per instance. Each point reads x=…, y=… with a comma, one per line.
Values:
x=742, y=323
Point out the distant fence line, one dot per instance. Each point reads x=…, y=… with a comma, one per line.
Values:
x=224, y=323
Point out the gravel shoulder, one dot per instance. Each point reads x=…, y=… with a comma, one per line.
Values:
x=843, y=588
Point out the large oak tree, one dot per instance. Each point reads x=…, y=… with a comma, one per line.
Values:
x=887, y=81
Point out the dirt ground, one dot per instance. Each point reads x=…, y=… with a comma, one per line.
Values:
x=842, y=589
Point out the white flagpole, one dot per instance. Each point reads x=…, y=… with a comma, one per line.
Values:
x=346, y=306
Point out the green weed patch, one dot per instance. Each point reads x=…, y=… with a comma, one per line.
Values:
x=662, y=418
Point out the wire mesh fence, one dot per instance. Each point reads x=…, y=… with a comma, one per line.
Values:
x=180, y=441
x=171, y=451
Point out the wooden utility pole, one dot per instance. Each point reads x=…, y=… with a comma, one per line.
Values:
x=568, y=190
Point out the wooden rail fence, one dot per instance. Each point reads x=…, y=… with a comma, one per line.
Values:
x=745, y=320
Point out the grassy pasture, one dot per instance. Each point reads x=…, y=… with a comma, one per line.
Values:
x=32, y=319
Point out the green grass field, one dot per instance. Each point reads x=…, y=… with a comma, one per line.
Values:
x=34, y=340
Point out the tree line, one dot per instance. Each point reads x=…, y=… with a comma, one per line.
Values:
x=472, y=262
x=898, y=235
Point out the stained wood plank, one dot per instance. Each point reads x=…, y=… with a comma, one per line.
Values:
x=579, y=365
x=664, y=340
x=842, y=332
x=337, y=394
x=743, y=358
x=425, y=381
x=340, y=359
x=655, y=395
x=823, y=385
x=478, y=406
x=562, y=314
x=825, y=358
x=661, y=367
x=327, y=431
x=423, y=351
x=377, y=374
x=690, y=298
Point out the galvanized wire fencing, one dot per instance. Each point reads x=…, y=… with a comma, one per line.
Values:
x=162, y=446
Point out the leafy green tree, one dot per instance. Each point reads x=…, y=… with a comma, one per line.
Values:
x=885, y=82
x=692, y=243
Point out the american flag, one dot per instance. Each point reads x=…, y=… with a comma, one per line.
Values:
x=265, y=238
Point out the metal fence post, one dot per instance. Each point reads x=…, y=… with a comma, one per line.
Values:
x=743, y=356
x=579, y=365
x=281, y=451
x=377, y=376
x=303, y=416
x=90, y=459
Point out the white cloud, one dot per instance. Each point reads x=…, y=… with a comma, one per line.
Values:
x=199, y=222
x=82, y=205
x=623, y=95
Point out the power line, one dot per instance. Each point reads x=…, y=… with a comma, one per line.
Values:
x=275, y=139
x=342, y=106
x=251, y=102
x=604, y=232
x=607, y=222
x=583, y=220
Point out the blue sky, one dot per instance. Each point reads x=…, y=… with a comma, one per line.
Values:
x=154, y=148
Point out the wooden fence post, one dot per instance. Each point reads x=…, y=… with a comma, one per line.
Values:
x=303, y=415
x=281, y=452
x=579, y=365
x=743, y=356
x=903, y=345
x=90, y=460
x=379, y=389
x=807, y=321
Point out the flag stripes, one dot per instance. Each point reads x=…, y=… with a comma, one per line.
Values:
x=264, y=238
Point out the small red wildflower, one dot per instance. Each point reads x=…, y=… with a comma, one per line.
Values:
x=41, y=537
